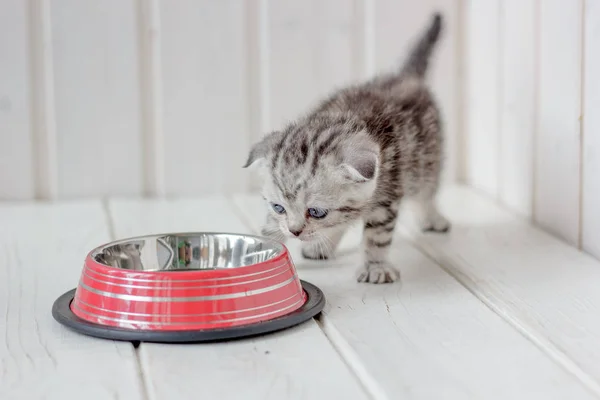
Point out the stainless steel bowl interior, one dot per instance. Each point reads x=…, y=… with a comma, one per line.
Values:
x=187, y=251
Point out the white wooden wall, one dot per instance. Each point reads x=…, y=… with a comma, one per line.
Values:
x=532, y=101
x=164, y=98
x=161, y=97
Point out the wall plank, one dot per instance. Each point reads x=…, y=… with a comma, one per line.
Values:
x=557, y=159
x=45, y=153
x=16, y=159
x=482, y=84
x=257, y=51
x=397, y=25
x=591, y=138
x=206, y=122
x=97, y=97
x=151, y=98
x=311, y=52
x=517, y=124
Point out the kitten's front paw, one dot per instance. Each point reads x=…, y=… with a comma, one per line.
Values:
x=272, y=232
x=378, y=273
x=313, y=251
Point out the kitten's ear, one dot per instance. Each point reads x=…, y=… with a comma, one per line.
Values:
x=361, y=160
x=361, y=166
x=259, y=151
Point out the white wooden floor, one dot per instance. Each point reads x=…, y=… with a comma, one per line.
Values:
x=497, y=309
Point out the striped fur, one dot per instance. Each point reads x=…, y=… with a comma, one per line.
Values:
x=357, y=154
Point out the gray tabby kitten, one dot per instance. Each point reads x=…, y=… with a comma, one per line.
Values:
x=355, y=157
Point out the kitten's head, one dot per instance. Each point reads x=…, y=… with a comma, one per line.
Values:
x=316, y=176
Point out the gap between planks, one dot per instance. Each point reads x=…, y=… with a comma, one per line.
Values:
x=351, y=359
x=146, y=384
x=340, y=345
x=137, y=349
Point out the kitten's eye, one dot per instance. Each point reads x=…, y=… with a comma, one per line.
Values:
x=278, y=208
x=317, y=213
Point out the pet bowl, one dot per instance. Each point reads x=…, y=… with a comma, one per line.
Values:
x=188, y=287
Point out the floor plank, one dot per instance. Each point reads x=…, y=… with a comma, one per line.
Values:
x=299, y=363
x=42, y=248
x=429, y=337
x=543, y=286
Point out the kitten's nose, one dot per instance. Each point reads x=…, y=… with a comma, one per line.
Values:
x=295, y=233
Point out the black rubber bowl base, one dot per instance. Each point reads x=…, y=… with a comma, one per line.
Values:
x=61, y=311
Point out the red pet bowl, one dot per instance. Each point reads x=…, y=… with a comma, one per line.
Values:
x=188, y=287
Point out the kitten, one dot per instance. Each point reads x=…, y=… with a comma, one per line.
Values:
x=354, y=157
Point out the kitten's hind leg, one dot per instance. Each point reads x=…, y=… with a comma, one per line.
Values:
x=430, y=218
x=377, y=238
x=324, y=246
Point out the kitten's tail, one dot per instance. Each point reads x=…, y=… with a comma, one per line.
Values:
x=418, y=59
